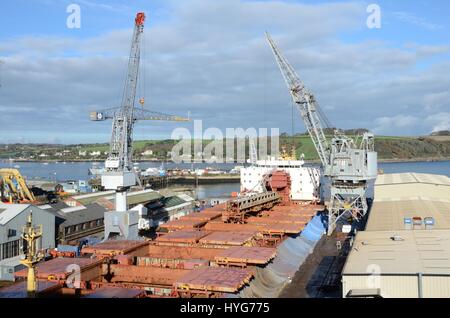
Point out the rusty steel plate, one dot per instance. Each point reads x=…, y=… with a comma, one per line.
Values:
x=231, y=227
x=220, y=279
x=182, y=252
x=276, y=219
x=287, y=228
x=227, y=238
x=246, y=254
x=116, y=292
x=182, y=224
x=59, y=268
x=19, y=289
x=113, y=247
x=182, y=236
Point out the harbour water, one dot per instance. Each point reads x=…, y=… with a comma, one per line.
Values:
x=79, y=171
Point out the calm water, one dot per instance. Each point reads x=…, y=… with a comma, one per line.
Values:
x=438, y=167
x=79, y=171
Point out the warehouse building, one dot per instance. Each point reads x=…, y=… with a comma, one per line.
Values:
x=13, y=218
x=405, y=248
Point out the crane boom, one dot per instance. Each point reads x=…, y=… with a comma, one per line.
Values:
x=305, y=102
x=138, y=114
x=348, y=165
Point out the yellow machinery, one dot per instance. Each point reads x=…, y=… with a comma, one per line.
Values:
x=13, y=188
x=31, y=235
x=288, y=156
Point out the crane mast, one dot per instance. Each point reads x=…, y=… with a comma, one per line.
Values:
x=120, y=154
x=119, y=174
x=349, y=166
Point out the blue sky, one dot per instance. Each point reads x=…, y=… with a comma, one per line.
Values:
x=209, y=57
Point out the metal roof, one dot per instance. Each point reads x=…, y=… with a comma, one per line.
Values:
x=417, y=251
x=10, y=211
x=406, y=186
x=390, y=215
x=91, y=212
x=409, y=177
x=407, y=195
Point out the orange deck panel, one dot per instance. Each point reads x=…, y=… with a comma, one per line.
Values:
x=219, y=279
x=276, y=219
x=227, y=238
x=203, y=216
x=182, y=236
x=287, y=228
x=231, y=227
x=142, y=274
x=114, y=247
x=182, y=224
x=60, y=268
x=182, y=252
x=246, y=254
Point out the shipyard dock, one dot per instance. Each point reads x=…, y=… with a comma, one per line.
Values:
x=197, y=255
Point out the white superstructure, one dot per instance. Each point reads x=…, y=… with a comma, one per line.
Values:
x=305, y=181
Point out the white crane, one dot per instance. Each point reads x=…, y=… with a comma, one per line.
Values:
x=349, y=166
x=119, y=174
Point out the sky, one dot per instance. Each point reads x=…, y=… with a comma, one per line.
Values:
x=210, y=58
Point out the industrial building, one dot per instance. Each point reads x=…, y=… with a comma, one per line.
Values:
x=12, y=219
x=74, y=223
x=405, y=248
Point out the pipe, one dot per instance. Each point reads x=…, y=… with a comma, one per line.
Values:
x=121, y=201
x=419, y=283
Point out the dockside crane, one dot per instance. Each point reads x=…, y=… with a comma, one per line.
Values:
x=119, y=174
x=350, y=165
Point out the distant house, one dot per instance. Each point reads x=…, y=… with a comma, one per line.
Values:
x=82, y=153
x=42, y=155
x=95, y=153
x=147, y=153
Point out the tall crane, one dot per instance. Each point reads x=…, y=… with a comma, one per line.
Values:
x=119, y=174
x=350, y=165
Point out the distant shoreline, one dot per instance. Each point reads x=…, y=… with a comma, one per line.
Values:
x=158, y=160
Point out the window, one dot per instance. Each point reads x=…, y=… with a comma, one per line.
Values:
x=68, y=230
x=10, y=249
x=84, y=226
x=11, y=233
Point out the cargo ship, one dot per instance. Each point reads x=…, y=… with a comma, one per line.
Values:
x=249, y=246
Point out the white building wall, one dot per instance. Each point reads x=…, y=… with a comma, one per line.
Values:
x=390, y=286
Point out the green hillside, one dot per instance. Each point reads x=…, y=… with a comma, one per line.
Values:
x=388, y=148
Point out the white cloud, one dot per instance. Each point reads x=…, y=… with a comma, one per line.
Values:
x=440, y=121
x=212, y=60
x=415, y=20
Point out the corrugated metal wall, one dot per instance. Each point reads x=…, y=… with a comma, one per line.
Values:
x=436, y=286
x=400, y=286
